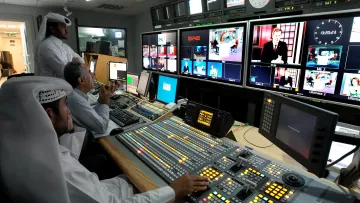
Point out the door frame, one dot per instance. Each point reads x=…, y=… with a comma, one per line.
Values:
x=30, y=33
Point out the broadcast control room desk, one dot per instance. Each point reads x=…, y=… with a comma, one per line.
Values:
x=146, y=179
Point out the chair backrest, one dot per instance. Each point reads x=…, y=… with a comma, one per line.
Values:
x=20, y=75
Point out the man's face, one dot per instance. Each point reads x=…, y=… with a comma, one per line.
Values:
x=287, y=74
x=89, y=78
x=62, y=121
x=276, y=37
x=61, y=31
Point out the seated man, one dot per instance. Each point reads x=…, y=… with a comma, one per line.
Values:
x=51, y=167
x=95, y=118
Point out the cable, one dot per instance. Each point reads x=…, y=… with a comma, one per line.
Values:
x=343, y=157
x=252, y=143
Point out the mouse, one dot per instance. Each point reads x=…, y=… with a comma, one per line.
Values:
x=116, y=131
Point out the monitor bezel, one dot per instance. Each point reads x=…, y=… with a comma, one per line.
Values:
x=244, y=53
x=177, y=87
x=177, y=52
x=324, y=118
x=116, y=62
x=296, y=18
x=127, y=82
x=147, y=84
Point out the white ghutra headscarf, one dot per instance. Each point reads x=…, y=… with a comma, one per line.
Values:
x=30, y=168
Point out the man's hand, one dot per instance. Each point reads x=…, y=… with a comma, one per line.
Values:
x=76, y=60
x=188, y=184
x=105, y=93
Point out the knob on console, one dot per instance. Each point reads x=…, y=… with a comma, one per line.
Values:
x=293, y=179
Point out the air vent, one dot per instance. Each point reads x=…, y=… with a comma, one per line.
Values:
x=110, y=7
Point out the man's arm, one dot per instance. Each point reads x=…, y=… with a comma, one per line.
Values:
x=53, y=60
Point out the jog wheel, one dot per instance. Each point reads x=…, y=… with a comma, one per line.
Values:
x=293, y=179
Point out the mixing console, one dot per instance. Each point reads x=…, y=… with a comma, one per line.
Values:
x=149, y=110
x=172, y=148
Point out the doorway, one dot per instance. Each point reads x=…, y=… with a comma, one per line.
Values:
x=14, y=57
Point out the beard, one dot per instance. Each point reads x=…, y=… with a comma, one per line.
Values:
x=61, y=126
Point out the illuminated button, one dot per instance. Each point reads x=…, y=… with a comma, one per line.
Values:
x=267, y=191
x=262, y=175
x=250, y=169
x=275, y=192
x=273, y=187
x=291, y=192
x=277, y=197
x=223, y=198
x=265, y=198
x=278, y=172
x=272, y=194
x=258, y=173
x=282, y=192
x=218, y=195
x=260, y=195
x=270, y=189
x=267, y=183
x=251, y=202
x=256, y=198
x=204, y=199
x=201, y=174
x=215, y=193
x=285, y=190
x=287, y=197
x=279, y=187
x=227, y=201
x=274, y=184
x=270, y=201
x=211, y=195
x=242, y=174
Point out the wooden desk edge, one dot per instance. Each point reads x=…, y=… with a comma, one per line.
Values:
x=136, y=176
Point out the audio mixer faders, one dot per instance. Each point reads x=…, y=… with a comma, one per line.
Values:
x=172, y=148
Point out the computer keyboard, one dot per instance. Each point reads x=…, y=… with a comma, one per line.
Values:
x=122, y=117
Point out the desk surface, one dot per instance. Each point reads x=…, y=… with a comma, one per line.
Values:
x=145, y=179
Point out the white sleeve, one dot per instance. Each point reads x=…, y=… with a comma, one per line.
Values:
x=53, y=60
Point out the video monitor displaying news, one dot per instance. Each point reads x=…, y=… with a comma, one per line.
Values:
x=234, y=3
x=160, y=51
x=307, y=56
x=213, y=53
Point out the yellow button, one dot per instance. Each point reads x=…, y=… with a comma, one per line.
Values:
x=285, y=190
x=274, y=184
x=272, y=194
x=219, y=195
x=227, y=201
x=209, y=197
x=273, y=187
x=267, y=183
x=250, y=168
x=267, y=191
x=275, y=192
x=287, y=197
x=255, y=200
x=291, y=192
x=282, y=192
x=251, y=202
x=260, y=195
x=279, y=187
x=258, y=173
x=270, y=201
x=277, y=197
x=270, y=189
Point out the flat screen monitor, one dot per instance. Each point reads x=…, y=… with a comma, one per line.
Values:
x=117, y=70
x=180, y=9
x=167, y=87
x=234, y=3
x=93, y=66
x=285, y=121
x=213, y=5
x=195, y=7
x=159, y=51
x=313, y=56
x=132, y=82
x=213, y=53
x=143, y=86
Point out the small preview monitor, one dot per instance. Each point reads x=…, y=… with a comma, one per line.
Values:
x=213, y=5
x=285, y=121
x=167, y=87
x=143, y=86
x=93, y=66
x=117, y=70
x=195, y=7
x=234, y=3
x=132, y=82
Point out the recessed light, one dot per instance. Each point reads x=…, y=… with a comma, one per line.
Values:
x=11, y=26
x=88, y=0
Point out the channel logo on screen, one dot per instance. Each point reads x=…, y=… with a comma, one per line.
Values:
x=193, y=38
x=166, y=87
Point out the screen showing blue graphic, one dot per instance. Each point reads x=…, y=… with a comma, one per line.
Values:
x=215, y=69
x=167, y=89
x=199, y=68
x=186, y=67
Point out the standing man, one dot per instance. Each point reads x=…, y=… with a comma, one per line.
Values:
x=51, y=54
x=275, y=51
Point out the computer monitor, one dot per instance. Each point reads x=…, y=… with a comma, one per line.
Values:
x=132, y=82
x=143, y=86
x=213, y=53
x=195, y=7
x=93, y=66
x=117, y=70
x=307, y=56
x=167, y=89
x=303, y=131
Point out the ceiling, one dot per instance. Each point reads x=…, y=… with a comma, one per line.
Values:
x=131, y=7
x=8, y=26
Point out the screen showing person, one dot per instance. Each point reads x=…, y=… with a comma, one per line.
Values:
x=324, y=56
x=232, y=3
x=146, y=63
x=295, y=126
x=278, y=43
x=260, y=75
x=186, y=67
x=287, y=77
x=154, y=63
x=199, y=68
x=161, y=64
x=232, y=72
x=172, y=65
x=350, y=85
x=320, y=81
x=195, y=7
x=226, y=44
x=213, y=5
x=153, y=51
x=171, y=51
x=117, y=71
x=200, y=52
x=162, y=51
x=167, y=87
x=352, y=58
x=215, y=69
x=355, y=31
x=146, y=50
